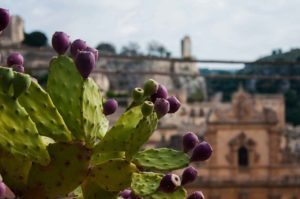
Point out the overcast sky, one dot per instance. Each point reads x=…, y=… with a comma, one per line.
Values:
x=219, y=29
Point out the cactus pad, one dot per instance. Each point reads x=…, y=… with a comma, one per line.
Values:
x=162, y=159
x=19, y=135
x=99, y=158
x=78, y=100
x=113, y=175
x=66, y=171
x=91, y=190
x=144, y=184
x=180, y=193
x=94, y=121
x=42, y=111
x=15, y=176
x=6, y=79
x=141, y=134
x=117, y=138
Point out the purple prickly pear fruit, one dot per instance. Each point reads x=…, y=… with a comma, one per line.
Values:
x=147, y=108
x=189, y=175
x=4, y=18
x=137, y=94
x=125, y=194
x=161, y=92
x=150, y=87
x=169, y=183
x=110, y=106
x=60, y=42
x=85, y=63
x=174, y=104
x=15, y=58
x=94, y=51
x=189, y=141
x=161, y=107
x=2, y=189
x=196, y=195
x=201, y=152
x=77, y=46
x=19, y=68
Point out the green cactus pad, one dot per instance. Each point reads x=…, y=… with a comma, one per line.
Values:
x=66, y=171
x=19, y=135
x=113, y=175
x=77, y=100
x=94, y=121
x=180, y=193
x=21, y=83
x=14, y=170
x=65, y=89
x=162, y=159
x=99, y=158
x=141, y=134
x=42, y=111
x=144, y=184
x=6, y=79
x=117, y=138
x=91, y=190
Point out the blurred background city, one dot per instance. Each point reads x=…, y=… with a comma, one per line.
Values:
x=235, y=66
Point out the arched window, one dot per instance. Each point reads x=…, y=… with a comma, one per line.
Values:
x=243, y=157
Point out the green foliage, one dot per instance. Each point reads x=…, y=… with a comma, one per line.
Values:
x=162, y=159
x=91, y=190
x=106, y=48
x=35, y=39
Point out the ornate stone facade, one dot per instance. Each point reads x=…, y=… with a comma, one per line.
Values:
x=248, y=159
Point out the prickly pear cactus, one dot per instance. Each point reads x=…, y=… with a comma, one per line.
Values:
x=162, y=159
x=77, y=99
x=56, y=142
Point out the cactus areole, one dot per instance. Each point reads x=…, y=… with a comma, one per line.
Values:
x=56, y=141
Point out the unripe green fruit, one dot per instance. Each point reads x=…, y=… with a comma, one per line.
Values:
x=150, y=87
x=137, y=94
x=6, y=78
x=147, y=108
x=21, y=83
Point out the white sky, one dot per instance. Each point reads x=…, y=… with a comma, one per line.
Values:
x=219, y=29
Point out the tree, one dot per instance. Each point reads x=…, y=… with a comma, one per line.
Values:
x=132, y=49
x=35, y=39
x=106, y=48
x=157, y=50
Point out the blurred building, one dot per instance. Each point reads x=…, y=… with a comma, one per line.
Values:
x=128, y=76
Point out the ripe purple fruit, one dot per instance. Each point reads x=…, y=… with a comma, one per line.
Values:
x=94, y=51
x=2, y=189
x=189, y=175
x=110, y=106
x=4, y=18
x=196, y=195
x=77, y=46
x=60, y=42
x=161, y=92
x=15, y=58
x=174, y=104
x=189, y=141
x=85, y=63
x=201, y=152
x=125, y=194
x=169, y=183
x=150, y=87
x=19, y=68
x=161, y=107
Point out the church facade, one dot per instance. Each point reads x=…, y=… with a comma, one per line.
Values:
x=248, y=159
